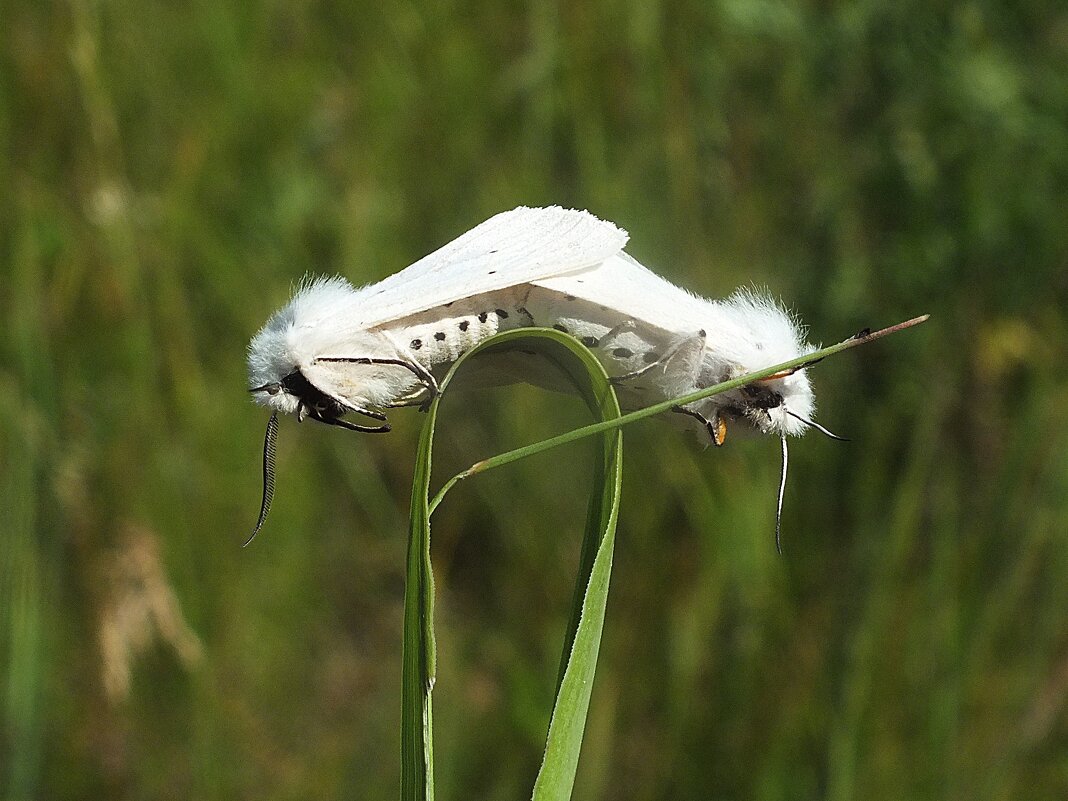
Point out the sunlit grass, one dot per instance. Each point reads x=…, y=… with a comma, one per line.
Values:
x=168, y=173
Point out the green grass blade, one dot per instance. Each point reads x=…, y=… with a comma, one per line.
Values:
x=582, y=642
x=579, y=367
x=578, y=662
x=419, y=650
x=665, y=406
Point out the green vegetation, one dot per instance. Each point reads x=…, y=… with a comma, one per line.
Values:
x=582, y=640
x=168, y=172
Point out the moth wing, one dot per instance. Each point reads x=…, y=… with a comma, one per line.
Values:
x=636, y=293
x=514, y=247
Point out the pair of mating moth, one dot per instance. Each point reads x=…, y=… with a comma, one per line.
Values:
x=335, y=351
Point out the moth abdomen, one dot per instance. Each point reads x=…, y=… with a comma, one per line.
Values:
x=449, y=331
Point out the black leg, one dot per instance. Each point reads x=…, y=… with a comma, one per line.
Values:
x=369, y=413
x=717, y=429
x=315, y=414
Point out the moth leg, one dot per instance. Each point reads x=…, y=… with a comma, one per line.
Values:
x=716, y=427
x=315, y=414
x=425, y=377
x=662, y=362
x=342, y=423
x=304, y=410
x=417, y=398
x=615, y=331
x=374, y=415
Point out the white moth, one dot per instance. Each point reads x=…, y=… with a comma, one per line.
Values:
x=335, y=350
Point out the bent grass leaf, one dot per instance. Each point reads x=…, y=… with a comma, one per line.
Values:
x=578, y=661
x=800, y=363
x=576, y=365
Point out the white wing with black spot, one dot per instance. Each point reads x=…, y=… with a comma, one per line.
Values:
x=511, y=248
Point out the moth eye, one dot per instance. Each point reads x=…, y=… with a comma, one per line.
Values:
x=273, y=389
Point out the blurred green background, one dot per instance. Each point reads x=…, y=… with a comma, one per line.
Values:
x=168, y=171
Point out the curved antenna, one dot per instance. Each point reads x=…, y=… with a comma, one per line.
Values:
x=269, y=441
x=782, y=492
x=816, y=426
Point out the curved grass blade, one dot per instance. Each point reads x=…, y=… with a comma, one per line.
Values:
x=578, y=662
x=417, y=675
x=556, y=777
x=579, y=367
x=800, y=363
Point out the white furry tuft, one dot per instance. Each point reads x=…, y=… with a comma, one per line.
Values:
x=758, y=332
x=288, y=340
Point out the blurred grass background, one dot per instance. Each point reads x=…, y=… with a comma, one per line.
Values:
x=169, y=170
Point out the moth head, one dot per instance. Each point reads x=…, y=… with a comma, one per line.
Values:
x=273, y=372
x=780, y=404
x=758, y=333
x=281, y=351
x=283, y=395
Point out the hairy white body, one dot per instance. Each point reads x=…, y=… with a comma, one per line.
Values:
x=335, y=350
